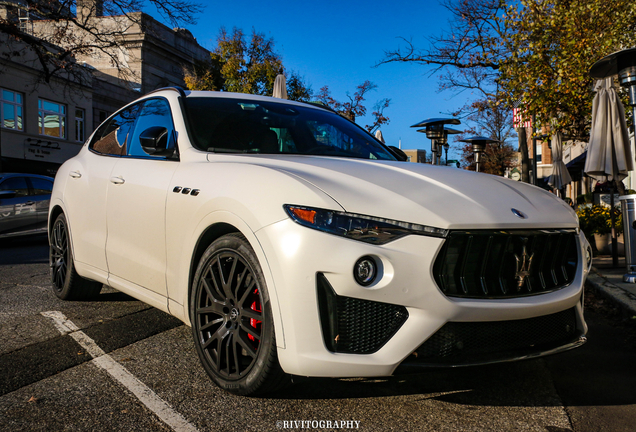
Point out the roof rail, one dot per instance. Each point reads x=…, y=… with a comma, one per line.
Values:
x=174, y=88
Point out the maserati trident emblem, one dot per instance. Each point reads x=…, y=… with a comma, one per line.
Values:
x=524, y=263
x=518, y=213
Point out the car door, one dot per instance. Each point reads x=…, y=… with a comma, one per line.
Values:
x=136, y=213
x=87, y=186
x=17, y=210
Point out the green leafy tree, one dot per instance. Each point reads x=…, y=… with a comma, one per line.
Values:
x=298, y=89
x=247, y=67
x=552, y=46
x=242, y=66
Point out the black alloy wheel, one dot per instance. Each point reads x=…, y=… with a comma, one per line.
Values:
x=231, y=319
x=59, y=254
x=67, y=283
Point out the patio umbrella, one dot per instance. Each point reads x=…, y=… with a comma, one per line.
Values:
x=280, y=86
x=560, y=175
x=378, y=135
x=609, y=156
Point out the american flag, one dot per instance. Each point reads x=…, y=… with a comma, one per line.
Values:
x=517, y=116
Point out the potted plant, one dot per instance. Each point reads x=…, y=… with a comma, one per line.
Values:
x=595, y=222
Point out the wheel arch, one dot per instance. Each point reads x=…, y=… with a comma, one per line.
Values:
x=55, y=211
x=216, y=230
x=206, y=238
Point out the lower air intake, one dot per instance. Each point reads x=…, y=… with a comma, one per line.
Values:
x=356, y=326
x=460, y=343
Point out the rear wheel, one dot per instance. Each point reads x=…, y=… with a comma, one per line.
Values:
x=67, y=284
x=232, y=319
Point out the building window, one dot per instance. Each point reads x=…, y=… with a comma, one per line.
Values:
x=51, y=119
x=79, y=124
x=11, y=109
x=539, y=152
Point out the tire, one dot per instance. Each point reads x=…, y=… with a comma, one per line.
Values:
x=67, y=284
x=232, y=320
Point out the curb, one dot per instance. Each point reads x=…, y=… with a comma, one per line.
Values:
x=621, y=298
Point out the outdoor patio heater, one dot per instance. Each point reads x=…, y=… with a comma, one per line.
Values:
x=479, y=146
x=623, y=64
x=449, y=131
x=437, y=133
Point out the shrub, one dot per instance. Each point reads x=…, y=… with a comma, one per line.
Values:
x=596, y=219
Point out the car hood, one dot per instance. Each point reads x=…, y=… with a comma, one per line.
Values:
x=438, y=196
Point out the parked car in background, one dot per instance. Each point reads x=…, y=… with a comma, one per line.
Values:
x=24, y=204
x=295, y=243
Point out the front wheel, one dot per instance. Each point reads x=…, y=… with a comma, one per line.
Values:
x=67, y=284
x=232, y=319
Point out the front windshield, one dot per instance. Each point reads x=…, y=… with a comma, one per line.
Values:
x=226, y=125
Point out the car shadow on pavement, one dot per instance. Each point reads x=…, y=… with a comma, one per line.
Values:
x=599, y=373
x=24, y=250
x=114, y=296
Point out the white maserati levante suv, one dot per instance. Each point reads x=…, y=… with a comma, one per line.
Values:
x=294, y=243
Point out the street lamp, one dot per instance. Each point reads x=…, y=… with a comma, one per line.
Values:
x=435, y=131
x=623, y=64
x=479, y=145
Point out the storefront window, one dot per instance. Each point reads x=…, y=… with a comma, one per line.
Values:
x=51, y=119
x=11, y=109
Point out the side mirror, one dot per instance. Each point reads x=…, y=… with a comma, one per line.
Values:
x=7, y=194
x=155, y=141
x=399, y=154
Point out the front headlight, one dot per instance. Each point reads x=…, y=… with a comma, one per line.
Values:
x=368, y=229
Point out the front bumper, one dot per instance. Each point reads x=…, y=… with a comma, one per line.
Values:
x=296, y=255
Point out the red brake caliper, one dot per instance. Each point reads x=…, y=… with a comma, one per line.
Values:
x=256, y=307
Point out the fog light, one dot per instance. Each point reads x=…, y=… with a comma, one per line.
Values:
x=365, y=271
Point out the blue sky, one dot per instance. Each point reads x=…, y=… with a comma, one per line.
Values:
x=337, y=43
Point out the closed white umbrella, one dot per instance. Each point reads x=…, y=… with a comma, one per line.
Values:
x=280, y=87
x=379, y=137
x=560, y=175
x=609, y=156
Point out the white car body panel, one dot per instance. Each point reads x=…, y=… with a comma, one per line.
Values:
x=136, y=214
x=84, y=184
x=140, y=236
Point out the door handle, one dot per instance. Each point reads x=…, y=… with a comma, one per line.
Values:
x=29, y=203
x=75, y=174
x=117, y=180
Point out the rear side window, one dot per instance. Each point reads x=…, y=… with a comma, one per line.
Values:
x=41, y=186
x=113, y=137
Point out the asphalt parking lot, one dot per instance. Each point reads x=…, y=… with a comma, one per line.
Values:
x=117, y=364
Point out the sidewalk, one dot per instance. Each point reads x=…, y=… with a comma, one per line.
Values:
x=607, y=280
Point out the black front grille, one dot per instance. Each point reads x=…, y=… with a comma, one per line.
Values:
x=356, y=326
x=458, y=343
x=502, y=264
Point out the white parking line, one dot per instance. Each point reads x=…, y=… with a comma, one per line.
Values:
x=149, y=398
